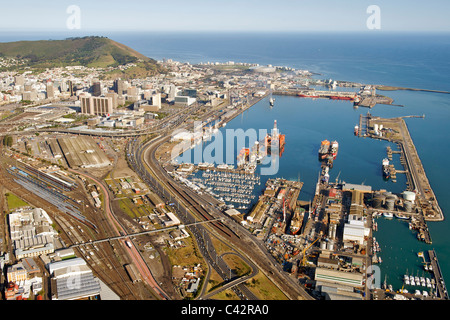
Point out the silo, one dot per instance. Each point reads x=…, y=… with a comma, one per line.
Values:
x=323, y=244
x=375, y=128
x=407, y=205
x=409, y=196
x=390, y=202
x=378, y=201
x=334, y=231
x=331, y=245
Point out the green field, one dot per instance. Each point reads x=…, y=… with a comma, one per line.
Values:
x=14, y=201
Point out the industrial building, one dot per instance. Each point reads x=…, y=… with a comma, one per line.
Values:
x=31, y=232
x=82, y=152
x=72, y=279
x=339, y=285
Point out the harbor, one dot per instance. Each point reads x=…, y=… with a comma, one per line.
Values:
x=324, y=237
x=395, y=130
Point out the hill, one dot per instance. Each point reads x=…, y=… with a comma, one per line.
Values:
x=87, y=51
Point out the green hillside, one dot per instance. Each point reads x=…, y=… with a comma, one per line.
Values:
x=86, y=51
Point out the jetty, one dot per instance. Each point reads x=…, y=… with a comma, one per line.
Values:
x=395, y=130
x=440, y=284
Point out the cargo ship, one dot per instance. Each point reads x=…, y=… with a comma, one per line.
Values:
x=274, y=140
x=342, y=98
x=386, y=170
x=307, y=95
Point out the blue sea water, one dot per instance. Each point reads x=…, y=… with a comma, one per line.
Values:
x=408, y=60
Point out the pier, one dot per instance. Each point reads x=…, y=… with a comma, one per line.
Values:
x=395, y=130
x=440, y=284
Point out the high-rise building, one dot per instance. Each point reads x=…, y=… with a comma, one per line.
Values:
x=114, y=97
x=19, y=80
x=50, y=90
x=97, y=89
x=119, y=86
x=99, y=106
x=70, y=84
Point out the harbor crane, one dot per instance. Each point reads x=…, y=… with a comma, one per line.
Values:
x=306, y=249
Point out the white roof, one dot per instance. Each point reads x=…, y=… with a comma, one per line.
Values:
x=65, y=263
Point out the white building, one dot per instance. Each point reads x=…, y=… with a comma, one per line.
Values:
x=31, y=232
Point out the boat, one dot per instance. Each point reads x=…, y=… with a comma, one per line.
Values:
x=401, y=216
x=388, y=215
x=271, y=101
x=385, y=168
x=323, y=150
x=334, y=149
x=422, y=282
x=307, y=95
x=411, y=280
x=356, y=131
x=297, y=220
x=420, y=254
x=274, y=140
x=342, y=98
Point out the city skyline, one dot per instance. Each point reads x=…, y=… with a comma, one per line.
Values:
x=250, y=15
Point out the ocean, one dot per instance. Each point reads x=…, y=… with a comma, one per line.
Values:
x=405, y=60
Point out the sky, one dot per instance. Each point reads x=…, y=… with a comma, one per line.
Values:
x=225, y=15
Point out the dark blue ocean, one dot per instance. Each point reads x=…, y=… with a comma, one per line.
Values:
x=407, y=60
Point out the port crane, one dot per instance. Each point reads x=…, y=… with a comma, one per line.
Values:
x=306, y=249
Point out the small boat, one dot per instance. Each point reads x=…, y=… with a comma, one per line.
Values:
x=420, y=254
x=379, y=260
x=425, y=293
x=390, y=288
x=422, y=282
x=388, y=215
x=401, y=216
x=417, y=293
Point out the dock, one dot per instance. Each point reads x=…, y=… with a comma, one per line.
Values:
x=440, y=284
x=395, y=130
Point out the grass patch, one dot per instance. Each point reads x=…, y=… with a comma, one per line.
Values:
x=237, y=265
x=14, y=201
x=188, y=255
x=264, y=289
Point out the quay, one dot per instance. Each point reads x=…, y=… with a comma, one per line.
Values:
x=440, y=284
x=395, y=130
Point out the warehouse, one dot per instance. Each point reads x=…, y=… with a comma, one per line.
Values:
x=83, y=152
